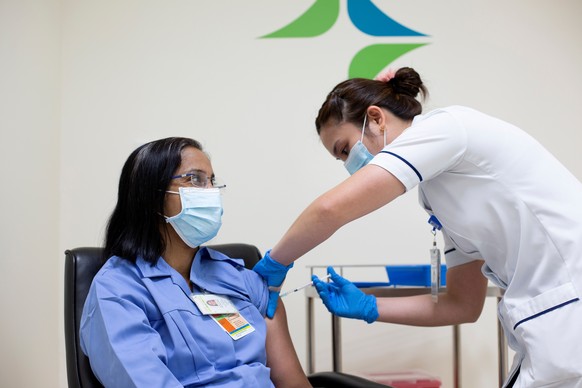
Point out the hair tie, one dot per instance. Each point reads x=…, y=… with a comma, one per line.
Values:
x=386, y=75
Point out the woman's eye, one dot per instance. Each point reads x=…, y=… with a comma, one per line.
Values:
x=345, y=151
x=196, y=179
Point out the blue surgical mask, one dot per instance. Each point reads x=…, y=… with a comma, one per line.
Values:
x=359, y=155
x=200, y=218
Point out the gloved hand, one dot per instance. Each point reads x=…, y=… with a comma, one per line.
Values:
x=274, y=273
x=343, y=298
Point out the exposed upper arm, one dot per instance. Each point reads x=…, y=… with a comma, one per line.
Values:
x=367, y=190
x=285, y=367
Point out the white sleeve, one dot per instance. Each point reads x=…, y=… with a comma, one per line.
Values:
x=431, y=145
x=454, y=256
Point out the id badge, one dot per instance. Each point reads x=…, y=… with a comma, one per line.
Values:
x=209, y=304
x=234, y=324
x=435, y=273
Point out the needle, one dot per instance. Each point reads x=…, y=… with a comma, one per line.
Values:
x=302, y=287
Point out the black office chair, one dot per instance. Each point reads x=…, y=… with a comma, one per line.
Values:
x=82, y=264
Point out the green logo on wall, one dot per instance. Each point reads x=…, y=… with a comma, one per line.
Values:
x=366, y=17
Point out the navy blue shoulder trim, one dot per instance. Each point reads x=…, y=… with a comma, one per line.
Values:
x=405, y=161
x=450, y=250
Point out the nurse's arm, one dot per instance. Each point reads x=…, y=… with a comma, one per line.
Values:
x=461, y=303
x=286, y=371
x=367, y=190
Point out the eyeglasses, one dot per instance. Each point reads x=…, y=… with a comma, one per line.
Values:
x=200, y=179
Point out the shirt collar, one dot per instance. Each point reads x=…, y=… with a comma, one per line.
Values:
x=211, y=271
x=160, y=269
x=217, y=273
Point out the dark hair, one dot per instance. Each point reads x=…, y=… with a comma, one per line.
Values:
x=349, y=100
x=134, y=226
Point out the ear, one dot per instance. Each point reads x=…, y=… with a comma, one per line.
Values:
x=377, y=116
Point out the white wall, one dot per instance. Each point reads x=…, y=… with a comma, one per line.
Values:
x=133, y=71
x=29, y=150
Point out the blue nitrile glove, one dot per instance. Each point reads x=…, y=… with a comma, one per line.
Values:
x=274, y=273
x=343, y=298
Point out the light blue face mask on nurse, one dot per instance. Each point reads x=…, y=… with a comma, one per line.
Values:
x=201, y=215
x=359, y=155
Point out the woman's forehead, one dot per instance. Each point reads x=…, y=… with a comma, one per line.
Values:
x=194, y=160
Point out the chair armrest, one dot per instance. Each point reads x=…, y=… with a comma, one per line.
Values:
x=341, y=380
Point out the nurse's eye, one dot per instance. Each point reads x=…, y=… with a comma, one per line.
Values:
x=341, y=152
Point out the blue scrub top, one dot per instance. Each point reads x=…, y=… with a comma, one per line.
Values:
x=140, y=328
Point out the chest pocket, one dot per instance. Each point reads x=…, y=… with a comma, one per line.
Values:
x=196, y=343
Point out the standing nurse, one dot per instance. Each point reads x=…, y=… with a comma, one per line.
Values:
x=508, y=209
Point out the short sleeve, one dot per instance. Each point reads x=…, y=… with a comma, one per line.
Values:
x=223, y=275
x=432, y=144
x=257, y=289
x=453, y=256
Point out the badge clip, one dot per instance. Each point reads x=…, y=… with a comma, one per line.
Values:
x=435, y=260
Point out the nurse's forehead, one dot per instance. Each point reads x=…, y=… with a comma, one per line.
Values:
x=331, y=134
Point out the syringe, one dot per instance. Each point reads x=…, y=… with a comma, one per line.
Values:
x=302, y=287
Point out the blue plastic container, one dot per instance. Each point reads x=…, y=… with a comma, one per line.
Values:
x=412, y=275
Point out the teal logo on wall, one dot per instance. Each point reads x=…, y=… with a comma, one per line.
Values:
x=366, y=17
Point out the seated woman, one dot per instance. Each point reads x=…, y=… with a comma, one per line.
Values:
x=165, y=312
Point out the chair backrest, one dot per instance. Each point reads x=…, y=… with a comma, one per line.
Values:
x=81, y=265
